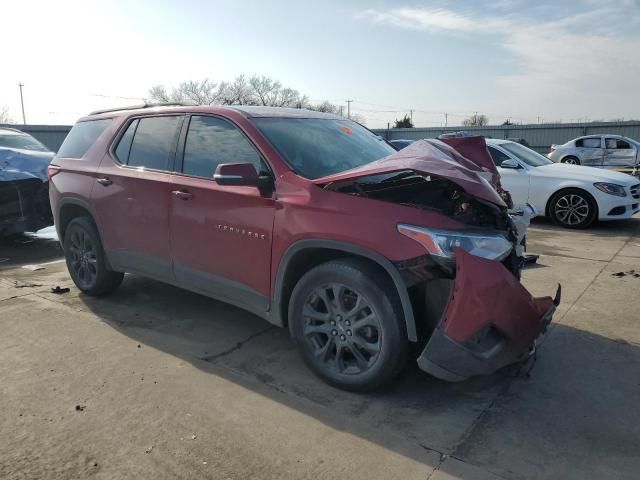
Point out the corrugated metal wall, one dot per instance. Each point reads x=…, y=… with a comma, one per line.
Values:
x=540, y=137
x=51, y=135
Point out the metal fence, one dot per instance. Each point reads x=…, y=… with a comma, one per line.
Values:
x=539, y=137
x=51, y=135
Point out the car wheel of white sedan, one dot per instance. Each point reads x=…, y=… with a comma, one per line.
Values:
x=571, y=161
x=573, y=208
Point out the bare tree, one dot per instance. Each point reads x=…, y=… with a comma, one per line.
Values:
x=5, y=117
x=476, y=121
x=203, y=92
x=257, y=90
x=237, y=92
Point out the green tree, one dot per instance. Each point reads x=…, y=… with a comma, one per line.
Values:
x=405, y=122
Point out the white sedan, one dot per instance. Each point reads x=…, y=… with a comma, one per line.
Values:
x=572, y=196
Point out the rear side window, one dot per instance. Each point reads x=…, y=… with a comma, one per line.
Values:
x=593, y=142
x=213, y=141
x=81, y=137
x=154, y=142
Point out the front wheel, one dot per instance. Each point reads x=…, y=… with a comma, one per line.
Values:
x=86, y=260
x=346, y=320
x=573, y=208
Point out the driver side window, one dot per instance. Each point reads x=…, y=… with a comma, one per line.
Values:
x=212, y=141
x=497, y=156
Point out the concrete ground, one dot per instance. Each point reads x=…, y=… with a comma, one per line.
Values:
x=156, y=382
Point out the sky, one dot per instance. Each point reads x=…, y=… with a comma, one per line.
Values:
x=527, y=61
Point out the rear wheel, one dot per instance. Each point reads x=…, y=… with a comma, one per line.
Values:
x=573, y=208
x=346, y=321
x=571, y=160
x=86, y=260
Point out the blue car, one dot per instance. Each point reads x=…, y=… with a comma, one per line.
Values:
x=24, y=185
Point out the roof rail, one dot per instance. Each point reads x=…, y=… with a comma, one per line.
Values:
x=144, y=105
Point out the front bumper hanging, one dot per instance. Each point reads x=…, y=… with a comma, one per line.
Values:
x=491, y=321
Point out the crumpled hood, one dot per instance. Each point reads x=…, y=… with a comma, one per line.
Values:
x=18, y=164
x=425, y=158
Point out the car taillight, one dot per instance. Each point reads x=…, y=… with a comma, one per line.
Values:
x=52, y=170
x=553, y=149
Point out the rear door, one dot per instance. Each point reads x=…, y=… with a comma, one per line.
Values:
x=515, y=181
x=133, y=198
x=590, y=151
x=619, y=153
x=220, y=236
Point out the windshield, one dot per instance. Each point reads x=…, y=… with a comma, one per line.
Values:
x=317, y=147
x=24, y=142
x=525, y=154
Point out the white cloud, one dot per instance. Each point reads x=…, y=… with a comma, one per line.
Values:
x=580, y=65
x=430, y=19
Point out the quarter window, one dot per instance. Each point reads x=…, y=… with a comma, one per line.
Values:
x=81, y=137
x=497, y=156
x=124, y=146
x=154, y=143
x=212, y=141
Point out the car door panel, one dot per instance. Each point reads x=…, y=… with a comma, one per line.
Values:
x=220, y=236
x=591, y=152
x=619, y=153
x=132, y=204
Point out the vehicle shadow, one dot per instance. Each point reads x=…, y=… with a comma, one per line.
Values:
x=16, y=251
x=416, y=410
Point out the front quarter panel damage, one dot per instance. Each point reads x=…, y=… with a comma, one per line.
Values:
x=491, y=321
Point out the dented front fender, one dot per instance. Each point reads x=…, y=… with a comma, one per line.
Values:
x=491, y=321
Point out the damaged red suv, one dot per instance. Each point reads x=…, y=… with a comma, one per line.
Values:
x=309, y=221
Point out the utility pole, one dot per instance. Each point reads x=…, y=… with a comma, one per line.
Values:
x=411, y=116
x=348, y=108
x=342, y=110
x=24, y=119
x=446, y=119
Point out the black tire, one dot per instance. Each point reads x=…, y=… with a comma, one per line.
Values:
x=573, y=208
x=85, y=259
x=571, y=160
x=348, y=356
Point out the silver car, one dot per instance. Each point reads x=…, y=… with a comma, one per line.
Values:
x=604, y=151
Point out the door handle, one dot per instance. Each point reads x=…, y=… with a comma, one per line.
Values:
x=104, y=181
x=182, y=195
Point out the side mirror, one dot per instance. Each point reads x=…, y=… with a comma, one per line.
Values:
x=243, y=175
x=510, y=163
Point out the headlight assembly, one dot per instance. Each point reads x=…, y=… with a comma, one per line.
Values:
x=441, y=243
x=611, y=189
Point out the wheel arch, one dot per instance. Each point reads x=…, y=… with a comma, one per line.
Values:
x=306, y=254
x=70, y=208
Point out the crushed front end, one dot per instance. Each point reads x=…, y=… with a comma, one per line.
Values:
x=490, y=321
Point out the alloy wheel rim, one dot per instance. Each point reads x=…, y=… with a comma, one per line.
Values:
x=571, y=161
x=572, y=209
x=84, y=260
x=342, y=329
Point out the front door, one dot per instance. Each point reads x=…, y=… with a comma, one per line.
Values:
x=220, y=236
x=619, y=153
x=133, y=199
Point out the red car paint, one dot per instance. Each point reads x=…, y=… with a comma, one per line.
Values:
x=194, y=232
x=423, y=157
